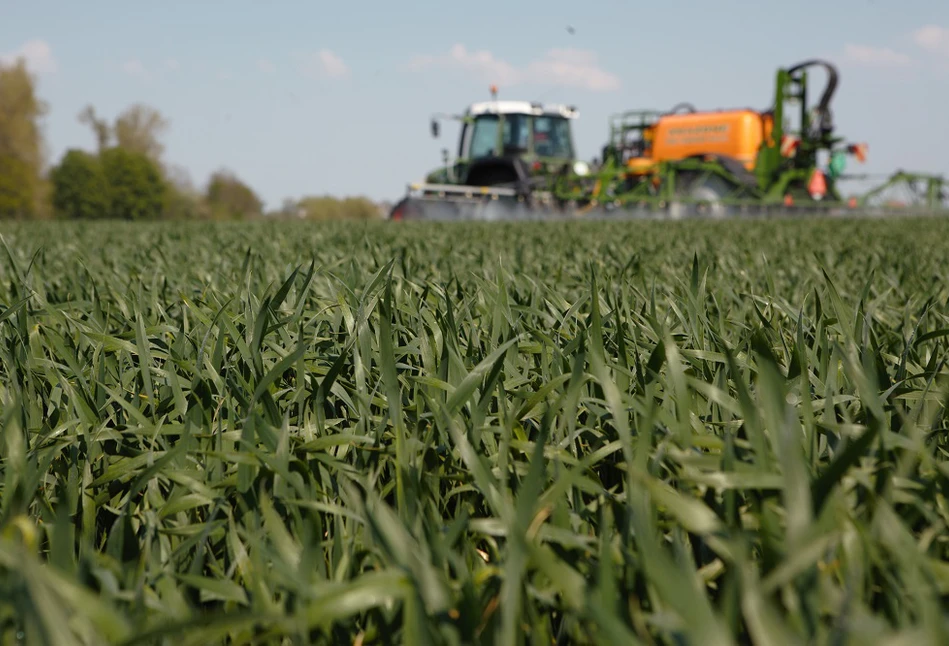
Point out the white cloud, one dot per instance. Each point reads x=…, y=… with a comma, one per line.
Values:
x=333, y=65
x=876, y=56
x=37, y=54
x=572, y=68
x=324, y=64
x=933, y=39
x=266, y=66
x=564, y=67
x=482, y=64
x=172, y=64
x=134, y=68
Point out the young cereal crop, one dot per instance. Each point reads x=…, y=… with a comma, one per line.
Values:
x=588, y=432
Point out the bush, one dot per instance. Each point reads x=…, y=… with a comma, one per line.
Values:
x=117, y=184
x=332, y=208
x=184, y=201
x=136, y=187
x=185, y=205
x=80, y=189
x=231, y=199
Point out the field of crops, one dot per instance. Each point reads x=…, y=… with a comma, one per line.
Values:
x=580, y=432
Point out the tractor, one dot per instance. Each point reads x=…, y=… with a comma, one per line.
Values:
x=516, y=160
x=509, y=153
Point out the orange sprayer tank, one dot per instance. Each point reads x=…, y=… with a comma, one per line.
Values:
x=730, y=133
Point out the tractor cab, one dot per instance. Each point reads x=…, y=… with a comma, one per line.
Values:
x=506, y=142
x=517, y=128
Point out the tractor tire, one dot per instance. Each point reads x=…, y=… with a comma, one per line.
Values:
x=709, y=190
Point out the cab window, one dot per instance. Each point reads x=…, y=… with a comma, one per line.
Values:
x=484, y=136
x=516, y=132
x=552, y=137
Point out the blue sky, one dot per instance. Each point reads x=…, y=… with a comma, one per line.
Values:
x=302, y=98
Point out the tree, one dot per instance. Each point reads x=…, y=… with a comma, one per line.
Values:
x=130, y=153
x=137, y=190
x=21, y=141
x=230, y=198
x=99, y=126
x=80, y=187
x=16, y=194
x=138, y=129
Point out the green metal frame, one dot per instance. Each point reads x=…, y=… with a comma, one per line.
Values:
x=931, y=192
x=775, y=175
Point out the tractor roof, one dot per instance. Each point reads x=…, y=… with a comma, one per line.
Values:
x=522, y=107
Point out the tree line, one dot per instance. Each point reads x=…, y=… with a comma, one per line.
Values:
x=126, y=177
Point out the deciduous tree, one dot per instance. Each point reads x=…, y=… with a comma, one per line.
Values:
x=100, y=127
x=21, y=141
x=230, y=198
x=139, y=129
x=16, y=188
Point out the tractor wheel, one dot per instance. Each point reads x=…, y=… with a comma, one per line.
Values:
x=710, y=190
x=705, y=195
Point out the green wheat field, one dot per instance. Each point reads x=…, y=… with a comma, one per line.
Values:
x=637, y=432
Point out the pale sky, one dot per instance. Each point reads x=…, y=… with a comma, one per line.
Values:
x=315, y=97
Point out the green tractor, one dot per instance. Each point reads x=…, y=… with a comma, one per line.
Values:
x=509, y=157
x=516, y=160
